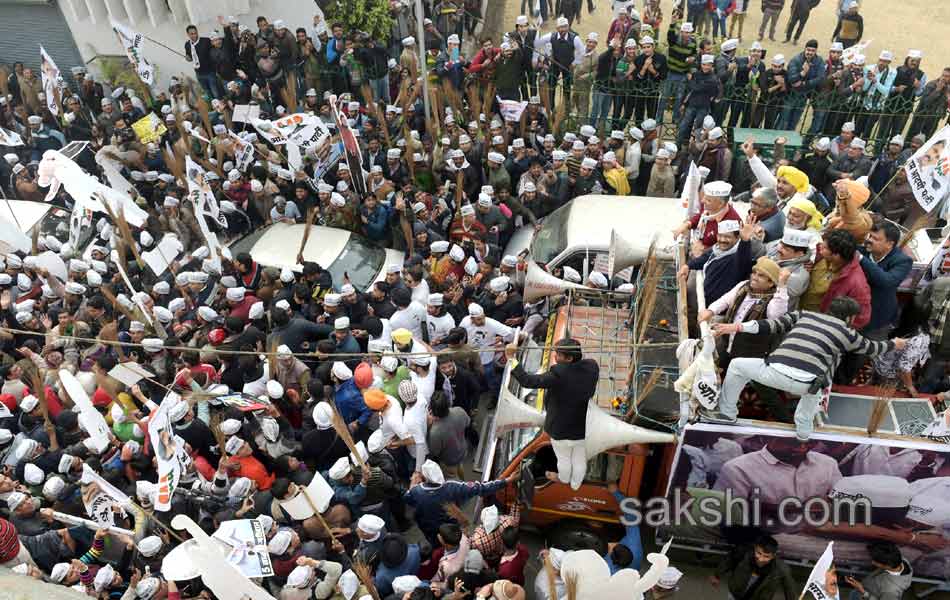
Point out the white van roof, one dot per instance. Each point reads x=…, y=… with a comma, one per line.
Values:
x=633, y=217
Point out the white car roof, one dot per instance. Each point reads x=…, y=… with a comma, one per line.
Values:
x=23, y=213
x=593, y=216
x=279, y=245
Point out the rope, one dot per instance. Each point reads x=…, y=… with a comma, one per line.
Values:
x=609, y=349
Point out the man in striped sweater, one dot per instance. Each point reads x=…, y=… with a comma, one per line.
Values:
x=803, y=363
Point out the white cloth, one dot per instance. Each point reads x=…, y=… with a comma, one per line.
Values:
x=392, y=425
x=439, y=327
x=571, y=461
x=420, y=293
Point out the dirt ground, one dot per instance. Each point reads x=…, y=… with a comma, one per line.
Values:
x=893, y=25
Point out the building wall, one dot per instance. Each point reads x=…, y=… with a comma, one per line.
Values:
x=165, y=22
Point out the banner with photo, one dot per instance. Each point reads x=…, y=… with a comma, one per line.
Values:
x=739, y=481
x=928, y=170
x=170, y=452
x=248, y=542
x=101, y=499
x=511, y=109
x=133, y=42
x=306, y=131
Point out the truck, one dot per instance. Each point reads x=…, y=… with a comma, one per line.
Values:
x=874, y=437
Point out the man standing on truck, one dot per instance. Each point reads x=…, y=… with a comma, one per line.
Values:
x=570, y=383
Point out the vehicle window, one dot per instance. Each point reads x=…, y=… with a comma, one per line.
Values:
x=605, y=468
x=551, y=239
x=56, y=223
x=360, y=261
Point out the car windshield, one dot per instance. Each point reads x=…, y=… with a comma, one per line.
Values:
x=56, y=223
x=360, y=261
x=551, y=239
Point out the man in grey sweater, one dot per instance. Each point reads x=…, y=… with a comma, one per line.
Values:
x=803, y=363
x=891, y=577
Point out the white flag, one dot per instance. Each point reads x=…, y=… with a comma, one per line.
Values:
x=511, y=109
x=690, y=196
x=10, y=138
x=928, y=170
x=52, y=80
x=169, y=450
x=818, y=577
x=133, y=42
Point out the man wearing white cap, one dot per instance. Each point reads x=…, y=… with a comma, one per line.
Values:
x=483, y=334
x=198, y=53
x=879, y=79
x=806, y=72
x=908, y=84
x=727, y=263
x=567, y=49
x=702, y=89
x=429, y=492
x=525, y=37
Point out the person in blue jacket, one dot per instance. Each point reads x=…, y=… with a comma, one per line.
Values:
x=885, y=265
x=375, y=218
x=628, y=552
x=430, y=492
x=396, y=558
x=728, y=262
x=348, y=398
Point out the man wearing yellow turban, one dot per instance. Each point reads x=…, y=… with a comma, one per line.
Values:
x=803, y=215
x=791, y=180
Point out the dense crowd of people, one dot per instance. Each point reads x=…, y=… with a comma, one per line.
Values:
x=264, y=371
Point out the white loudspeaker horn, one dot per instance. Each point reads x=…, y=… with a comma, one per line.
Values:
x=623, y=253
x=538, y=283
x=605, y=431
x=512, y=414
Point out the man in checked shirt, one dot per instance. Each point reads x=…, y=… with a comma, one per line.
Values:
x=487, y=536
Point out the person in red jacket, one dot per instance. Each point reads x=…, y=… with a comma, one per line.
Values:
x=840, y=250
x=240, y=463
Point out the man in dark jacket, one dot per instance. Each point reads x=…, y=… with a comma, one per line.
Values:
x=570, y=383
x=726, y=263
x=702, y=88
x=798, y=15
x=806, y=72
x=757, y=573
x=885, y=265
x=198, y=52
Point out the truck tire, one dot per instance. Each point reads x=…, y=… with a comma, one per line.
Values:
x=575, y=535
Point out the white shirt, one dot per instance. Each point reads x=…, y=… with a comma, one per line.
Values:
x=425, y=385
x=482, y=337
x=417, y=424
x=392, y=423
x=413, y=318
x=420, y=293
x=258, y=387
x=439, y=327
x=547, y=38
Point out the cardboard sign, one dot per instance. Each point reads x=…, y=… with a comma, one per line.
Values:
x=129, y=373
x=149, y=128
x=246, y=113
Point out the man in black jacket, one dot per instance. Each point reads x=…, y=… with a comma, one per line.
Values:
x=570, y=383
x=198, y=52
x=703, y=88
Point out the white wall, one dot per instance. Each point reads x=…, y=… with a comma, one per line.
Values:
x=89, y=22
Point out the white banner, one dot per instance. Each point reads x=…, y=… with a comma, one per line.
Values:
x=99, y=502
x=819, y=576
x=10, y=138
x=205, y=205
x=243, y=154
x=169, y=452
x=306, y=131
x=52, y=80
x=248, y=543
x=133, y=42
x=511, y=109
x=690, y=195
x=928, y=170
